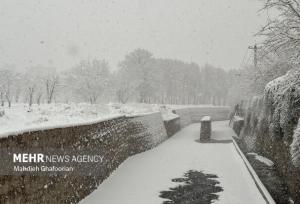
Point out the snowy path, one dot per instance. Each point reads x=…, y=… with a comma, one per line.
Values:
x=140, y=178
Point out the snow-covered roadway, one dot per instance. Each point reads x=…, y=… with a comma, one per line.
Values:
x=140, y=178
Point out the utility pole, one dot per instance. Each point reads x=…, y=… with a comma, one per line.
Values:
x=254, y=48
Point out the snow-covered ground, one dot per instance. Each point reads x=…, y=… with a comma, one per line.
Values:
x=141, y=177
x=20, y=117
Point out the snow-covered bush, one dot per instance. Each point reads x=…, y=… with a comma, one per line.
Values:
x=273, y=117
x=283, y=98
x=295, y=146
x=271, y=127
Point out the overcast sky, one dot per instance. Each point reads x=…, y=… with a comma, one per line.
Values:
x=62, y=32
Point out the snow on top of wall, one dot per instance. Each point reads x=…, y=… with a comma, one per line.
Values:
x=20, y=118
x=262, y=159
x=135, y=109
x=206, y=118
x=169, y=116
x=132, y=109
x=238, y=118
x=176, y=107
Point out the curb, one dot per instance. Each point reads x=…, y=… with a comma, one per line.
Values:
x=262, y=189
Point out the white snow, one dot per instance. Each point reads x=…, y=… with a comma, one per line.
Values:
x=262, y=159
x=275, y=82
x=141, y=177
x=167, y=113
x=20, y=118
x=279, y=85
x=135, y=108
x=195, y=106
x=238, y=118
x=206, y=118
x=295, y=146
x=169, y=116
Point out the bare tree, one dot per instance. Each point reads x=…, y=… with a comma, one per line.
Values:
x=123, y=93
x=282, y=32
x=30, y=94
x=39, y=98
x=2, y=97
x=7, y=79
x=51, y=83
x=89, y=79
x=34, y=80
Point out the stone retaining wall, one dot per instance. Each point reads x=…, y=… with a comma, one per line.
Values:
x=118, y=138
x=237, y=124
x=194, y=114
x=172, y=126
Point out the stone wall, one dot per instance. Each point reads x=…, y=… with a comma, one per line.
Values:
x=153, y=123
x=205, y=131
x=184, y=115
x=194, y=114
x=118, y=138
x=172, y=126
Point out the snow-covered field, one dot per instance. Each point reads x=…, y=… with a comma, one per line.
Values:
x=141, y=177
x=20, y=117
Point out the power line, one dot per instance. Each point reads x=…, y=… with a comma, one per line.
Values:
x=254, y=48
x=243, y=60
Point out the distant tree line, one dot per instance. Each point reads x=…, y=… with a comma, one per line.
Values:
x=143, y=78
x=35, y=85
x=146, y=79
x=140, y=78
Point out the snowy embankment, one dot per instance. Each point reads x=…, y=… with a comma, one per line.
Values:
x=20, y=118
x=142, y=177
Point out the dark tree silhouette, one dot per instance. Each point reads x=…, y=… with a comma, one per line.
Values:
x=196, y=188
